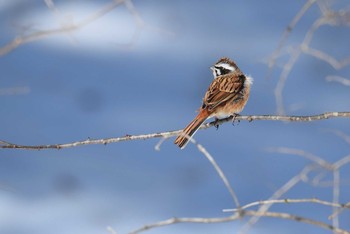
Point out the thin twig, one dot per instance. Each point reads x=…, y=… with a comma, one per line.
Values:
x=336, y=64
x=336, y=186
x=338, y=211
x=220, y=172
x=286, y=33
x=340, y=134
x=211, y=159
x=291, y=62
x=287, y=201
x=336, y=194
x=314, y=158
x=104, y=141
x=338, y=79
x=185, y=220
x=20, y=40
x=341, y=162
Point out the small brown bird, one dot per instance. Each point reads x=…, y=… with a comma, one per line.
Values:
x=227, y=95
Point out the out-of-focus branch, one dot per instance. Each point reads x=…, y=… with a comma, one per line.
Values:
x=20, y=40
x=328, y=16
x=20, y=90
x=338, y=79
x=104, y=141
x=335, y=63
x=71, y=27
x=287, y=31
x=314, y=158
x=332, y=167
x=219, y=171
x=279, y=193
x=262, y=211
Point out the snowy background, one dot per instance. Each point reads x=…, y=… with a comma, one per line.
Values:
x=93, y=83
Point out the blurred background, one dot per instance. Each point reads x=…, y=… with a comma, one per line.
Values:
x=143, y=67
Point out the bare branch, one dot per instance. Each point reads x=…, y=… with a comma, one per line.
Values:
x=287, y=31
x=70, y=27
x=318, y=160
x=327, y=115
x=298, y=219
x=335, y=167
x=237, y=216
x=20, y=90
x=338, y=79
x=336, y=193
x=219, y=171
x=340, y=134
x=338, y=211
x=20, y=40
x=105, y=141
x=336, y=187
x=185, y=220
x=341, y=162
x=291, y=62
x=336, y=64
x=328, y=17
x=287, y=201
x=282, y=190
x=282, y=81
x=213, y=162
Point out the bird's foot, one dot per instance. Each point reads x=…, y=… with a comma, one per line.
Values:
x=234, y=116
x=216, y=123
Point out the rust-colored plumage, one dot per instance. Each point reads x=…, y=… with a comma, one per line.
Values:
x=227, y=95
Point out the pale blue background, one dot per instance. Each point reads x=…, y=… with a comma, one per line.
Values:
x=87, y=84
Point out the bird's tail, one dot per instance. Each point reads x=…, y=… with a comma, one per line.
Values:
x=191, y=129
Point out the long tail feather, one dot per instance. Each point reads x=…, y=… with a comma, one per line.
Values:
x=191, y=129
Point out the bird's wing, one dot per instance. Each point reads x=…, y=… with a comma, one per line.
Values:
x=222, y=89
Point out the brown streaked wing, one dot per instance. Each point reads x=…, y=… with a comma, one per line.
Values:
x=222, y=89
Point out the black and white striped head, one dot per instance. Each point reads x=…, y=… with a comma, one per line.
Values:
x=224, y=66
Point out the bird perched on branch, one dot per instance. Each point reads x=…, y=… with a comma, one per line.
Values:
x=227, y=95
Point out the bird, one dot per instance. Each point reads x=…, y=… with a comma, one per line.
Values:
x=226, y=96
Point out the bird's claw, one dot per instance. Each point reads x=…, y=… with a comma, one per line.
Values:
x=216, y=123
x=234, y=116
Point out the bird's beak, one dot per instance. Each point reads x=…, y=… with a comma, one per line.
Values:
x=212, y=68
